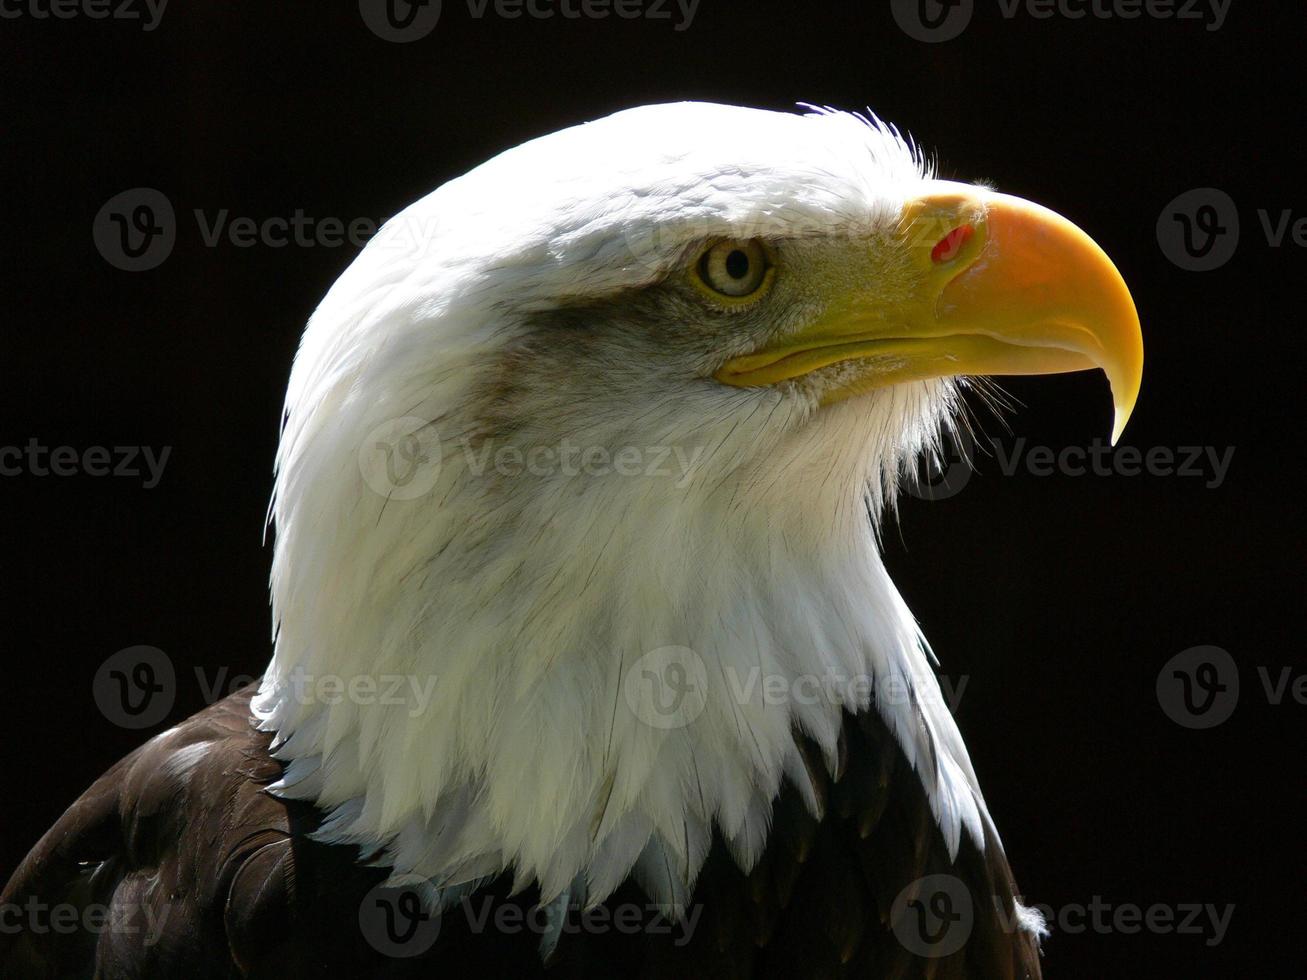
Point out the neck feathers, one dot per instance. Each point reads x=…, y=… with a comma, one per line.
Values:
x=578, y=675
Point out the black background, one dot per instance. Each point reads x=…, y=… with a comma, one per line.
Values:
x=1060, y=598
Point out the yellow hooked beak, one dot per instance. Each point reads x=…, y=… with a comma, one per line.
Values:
x=987, y=284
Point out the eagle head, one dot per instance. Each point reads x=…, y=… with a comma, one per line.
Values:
x=627, y=398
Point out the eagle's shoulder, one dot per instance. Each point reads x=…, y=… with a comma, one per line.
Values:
x=202, y=873
x=151, y=854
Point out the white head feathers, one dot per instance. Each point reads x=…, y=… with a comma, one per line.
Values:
x=502, y=595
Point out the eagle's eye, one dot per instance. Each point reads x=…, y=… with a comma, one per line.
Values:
x=734, y=270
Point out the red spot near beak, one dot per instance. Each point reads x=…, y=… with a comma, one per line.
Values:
x=949, y=246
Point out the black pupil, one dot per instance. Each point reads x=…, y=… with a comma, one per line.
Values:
x=737, y=265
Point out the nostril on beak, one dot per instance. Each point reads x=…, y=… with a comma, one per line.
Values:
x=947, y=248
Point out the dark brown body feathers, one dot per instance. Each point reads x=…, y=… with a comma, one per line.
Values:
x=203, y=875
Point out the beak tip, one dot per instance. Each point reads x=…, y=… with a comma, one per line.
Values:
x=1118, y=426
x=1125, y=392
x=1122, y=410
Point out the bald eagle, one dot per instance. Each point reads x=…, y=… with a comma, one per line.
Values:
x=586, y=659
